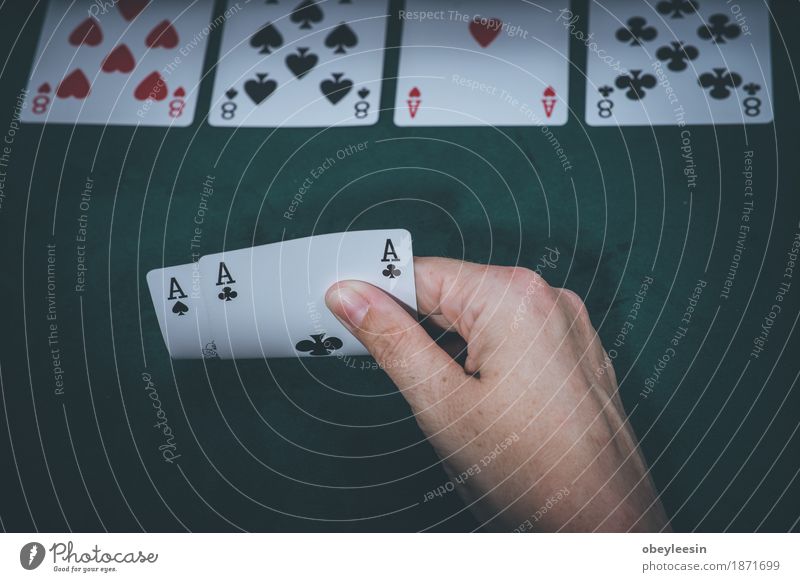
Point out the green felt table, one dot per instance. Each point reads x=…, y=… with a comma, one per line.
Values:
x=329, y=444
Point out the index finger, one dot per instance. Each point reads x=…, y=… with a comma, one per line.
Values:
x=449, y=291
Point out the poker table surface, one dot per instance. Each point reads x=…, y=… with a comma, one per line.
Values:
x=644, y=223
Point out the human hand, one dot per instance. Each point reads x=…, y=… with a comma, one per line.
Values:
x=535, y=408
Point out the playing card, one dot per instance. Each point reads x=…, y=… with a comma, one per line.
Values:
x=678, y=62
x=127, y=62
x=269, y=301
x=181, y=312
x=479, y=63
x=300, y=64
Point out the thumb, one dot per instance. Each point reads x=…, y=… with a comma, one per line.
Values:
x=394, y=338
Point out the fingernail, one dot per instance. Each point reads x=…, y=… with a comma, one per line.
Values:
x=349, y=306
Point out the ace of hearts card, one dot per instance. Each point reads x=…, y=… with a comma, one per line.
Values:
x=678, y=62
x=300, y=63
x=472, y=63
x=128, y=62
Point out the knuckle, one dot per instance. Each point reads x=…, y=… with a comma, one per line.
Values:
x=575, y=302
x=524, y=281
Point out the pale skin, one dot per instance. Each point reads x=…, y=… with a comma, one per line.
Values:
x=535, y=375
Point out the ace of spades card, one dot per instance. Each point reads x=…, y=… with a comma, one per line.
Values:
x=473, y=63
x=129, y=62
x=679, y=62
x=300, y=63
x=181, y=312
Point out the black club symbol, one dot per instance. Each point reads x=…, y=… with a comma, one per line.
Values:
x=636, y=32
x=392, y=272
x=719, y=29
x=678, y=55
x=635, y=83
x=752, y=88
x=721, y=81
x=605, y=91
x=320, y=346
x=227, y=294
x=677, y=8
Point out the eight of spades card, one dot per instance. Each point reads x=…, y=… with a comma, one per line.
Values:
x=300, y=63
x=133, y=62
x=679, y=62
x=269, y=301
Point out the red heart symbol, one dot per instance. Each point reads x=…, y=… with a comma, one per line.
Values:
x=179, y=92
x=163, y=34
x=485, y=30
x=120, y=59
x=74, y=85
x=87, y=32
x=151, y=87
x=44, y=88
x=130, y=9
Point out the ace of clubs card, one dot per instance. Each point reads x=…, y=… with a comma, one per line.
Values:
x=269, y=301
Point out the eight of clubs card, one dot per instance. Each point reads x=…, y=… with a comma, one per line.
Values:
x=269, y=301
x=679, y=62
x=130, y=62
x=482, y=63
x=181, y=312
x=300, y=63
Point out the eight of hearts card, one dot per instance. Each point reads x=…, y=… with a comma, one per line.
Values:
x=128, y=62
x=678, y=62
x=479, y=63
x=300, y=63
